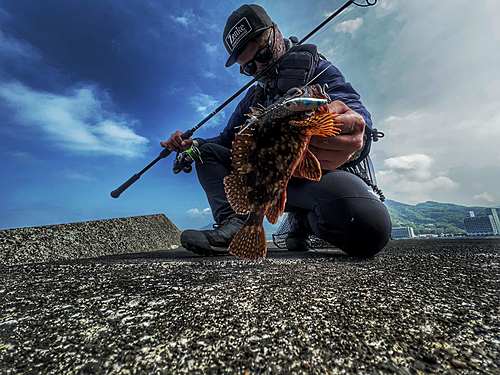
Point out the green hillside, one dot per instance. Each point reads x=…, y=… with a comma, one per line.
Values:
x=431, y=217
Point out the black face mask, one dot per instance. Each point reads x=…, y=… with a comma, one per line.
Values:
x=279, y=50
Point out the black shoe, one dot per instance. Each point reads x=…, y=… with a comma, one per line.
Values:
x=214, y=241
x=298, y=237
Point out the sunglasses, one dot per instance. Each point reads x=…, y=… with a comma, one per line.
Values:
x=262, y=56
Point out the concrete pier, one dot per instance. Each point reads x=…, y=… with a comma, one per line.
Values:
x=418, y=307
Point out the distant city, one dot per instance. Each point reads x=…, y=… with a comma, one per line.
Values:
x=475, y=226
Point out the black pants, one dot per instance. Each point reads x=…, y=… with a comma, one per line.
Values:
x=341, y=208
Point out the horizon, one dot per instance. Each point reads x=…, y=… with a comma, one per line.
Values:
x=267, y=225
x=88, y=92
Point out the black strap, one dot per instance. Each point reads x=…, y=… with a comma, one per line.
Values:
x=298, y=68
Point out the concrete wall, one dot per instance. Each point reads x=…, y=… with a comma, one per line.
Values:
x=87, y=239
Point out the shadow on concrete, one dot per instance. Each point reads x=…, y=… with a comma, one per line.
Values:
x=183, y=255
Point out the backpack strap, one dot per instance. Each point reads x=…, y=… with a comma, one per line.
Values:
x=297, y=68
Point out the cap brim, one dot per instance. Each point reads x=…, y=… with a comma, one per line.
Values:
x=234, y=56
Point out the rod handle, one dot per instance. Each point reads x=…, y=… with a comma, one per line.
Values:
x=187, y=134
x=116, y=193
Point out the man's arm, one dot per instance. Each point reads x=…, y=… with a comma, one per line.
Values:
x=332, y=152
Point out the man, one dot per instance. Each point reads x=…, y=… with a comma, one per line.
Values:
x=341, y=208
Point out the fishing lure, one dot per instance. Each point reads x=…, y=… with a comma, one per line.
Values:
x=304, y=104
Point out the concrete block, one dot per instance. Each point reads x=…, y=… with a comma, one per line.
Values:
x=88, y=239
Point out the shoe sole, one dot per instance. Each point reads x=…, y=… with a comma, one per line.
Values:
x=205, y=252
x=200, y=245
x=297, y=245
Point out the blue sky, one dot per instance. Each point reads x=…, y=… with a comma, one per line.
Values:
x=88, y=89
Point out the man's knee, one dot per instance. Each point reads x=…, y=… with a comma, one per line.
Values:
x=366, y=241
x=211, y=152
x=209, y=149
x=361, y=227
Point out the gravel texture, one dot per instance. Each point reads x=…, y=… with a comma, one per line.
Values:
x=87, y=239
x=419, y=307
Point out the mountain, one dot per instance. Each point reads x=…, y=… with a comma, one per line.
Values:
x=431, y=217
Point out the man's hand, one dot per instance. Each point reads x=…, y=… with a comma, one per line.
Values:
x=176, y=142
x=334, y=151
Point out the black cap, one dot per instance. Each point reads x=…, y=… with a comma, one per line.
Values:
x=242, y=25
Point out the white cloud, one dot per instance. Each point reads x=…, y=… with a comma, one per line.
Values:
x=409, y=178
x=449, y=134
x=210, y=48
x=12, y=47
x=493, y=9
x=205, y=104
x=186, y=18
x=419, y=188
x=77, y=176
x=21, y=157
x=484, y=197
x=415, y=166
x=80, y=120
x=385, y=7
x=350, y=26
x=207, y=74
x=196, y=213
x=437, y=93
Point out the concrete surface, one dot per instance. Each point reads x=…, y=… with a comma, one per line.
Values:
x=420, y=306
x=87, y=239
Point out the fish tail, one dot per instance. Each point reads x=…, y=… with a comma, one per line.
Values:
x=250, y=242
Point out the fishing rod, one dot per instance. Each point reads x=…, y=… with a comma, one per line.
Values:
x=166, y=152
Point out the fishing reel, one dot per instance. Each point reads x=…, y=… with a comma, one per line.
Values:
x=183, y=160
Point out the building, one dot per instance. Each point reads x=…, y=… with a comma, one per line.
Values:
x=484, y=225
x=402, y=232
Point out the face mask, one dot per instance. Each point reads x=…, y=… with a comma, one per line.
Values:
x=278, y=49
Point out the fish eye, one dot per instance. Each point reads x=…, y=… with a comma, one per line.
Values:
x=294, y=92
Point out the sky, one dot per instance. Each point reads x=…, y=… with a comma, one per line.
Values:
x=88, y=89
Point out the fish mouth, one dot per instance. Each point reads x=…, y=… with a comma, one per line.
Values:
x=319, y=91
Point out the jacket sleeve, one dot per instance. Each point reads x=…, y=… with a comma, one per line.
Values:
x=339, y=89
x=237, y=119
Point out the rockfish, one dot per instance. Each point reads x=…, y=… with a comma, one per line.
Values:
x=270, y=146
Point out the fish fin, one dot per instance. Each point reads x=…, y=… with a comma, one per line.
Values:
x=323, y=125
x=235, y=184
x=322, y=110
x=237, y=193
x=276, y=209
x=309, y=166
x=257, y=111
x=250, y=242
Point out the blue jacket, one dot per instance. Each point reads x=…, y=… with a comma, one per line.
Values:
x=338, y=89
